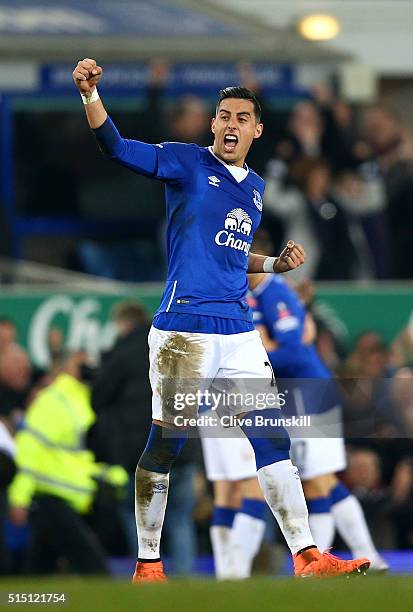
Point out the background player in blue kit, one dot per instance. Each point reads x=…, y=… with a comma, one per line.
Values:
x=203, y=328
x=288, y=334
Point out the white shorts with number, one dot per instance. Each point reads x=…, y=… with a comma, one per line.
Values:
x=315, y=456
x=197, y=359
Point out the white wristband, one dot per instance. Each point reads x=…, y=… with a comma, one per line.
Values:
x=93, y=97
x=268, y=265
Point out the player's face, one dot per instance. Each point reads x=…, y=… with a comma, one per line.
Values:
x=235, y=127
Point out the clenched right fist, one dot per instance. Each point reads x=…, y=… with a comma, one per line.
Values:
x=86, y=75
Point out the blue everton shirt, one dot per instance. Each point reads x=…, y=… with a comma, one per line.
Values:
x=211, y=220
x=276, y=306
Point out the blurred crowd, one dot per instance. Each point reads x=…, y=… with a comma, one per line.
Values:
x=339, y=179
x=70, y=438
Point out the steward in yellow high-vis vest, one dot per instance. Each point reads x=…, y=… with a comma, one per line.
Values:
x=60, y=476
x=50, y=453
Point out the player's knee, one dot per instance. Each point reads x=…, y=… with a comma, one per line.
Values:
x=320, y=486
x=270, y=443
x=227, y=493
x=251, y=489
x=161, y=451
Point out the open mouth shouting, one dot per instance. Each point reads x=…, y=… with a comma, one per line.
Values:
x=230, y=142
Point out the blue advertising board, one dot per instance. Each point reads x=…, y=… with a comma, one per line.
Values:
x=199, y=78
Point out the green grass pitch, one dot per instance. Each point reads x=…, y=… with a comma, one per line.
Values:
x=364, y=594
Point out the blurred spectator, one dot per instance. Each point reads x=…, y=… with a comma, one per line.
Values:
x=57, y=477
x=8, y=332
x=313, y=217
x=303, y=135
x=122, y=399
x=189, y=121
x=392, y=147
x=55, y=343
x=402, y=495
x=341, y=143
x=402, y=400
x=7, y=473
x=368, y=342
x=15, y=378
x=364, y=478
x=361, y=195
x=366, y=382
x=121, y=393
x=402, y=346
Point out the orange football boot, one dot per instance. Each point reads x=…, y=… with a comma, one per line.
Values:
x=312, y=562
x=149, y=572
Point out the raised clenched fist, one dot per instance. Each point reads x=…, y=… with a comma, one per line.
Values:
x=291, y=257
x=86, y=75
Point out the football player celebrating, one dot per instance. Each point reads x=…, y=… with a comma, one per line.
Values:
x=203, y=328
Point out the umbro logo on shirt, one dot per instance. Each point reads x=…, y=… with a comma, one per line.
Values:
x=213, y=180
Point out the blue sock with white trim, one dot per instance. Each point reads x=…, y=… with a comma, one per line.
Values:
x=321, y=521
x=221, y=541
x=223, y=517
x=248, y=531
x=270, y=444
x=339, y=493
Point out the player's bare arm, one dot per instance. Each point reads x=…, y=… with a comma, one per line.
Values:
x=291, y=257
x=86, y=76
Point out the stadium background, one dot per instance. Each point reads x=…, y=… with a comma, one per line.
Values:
x=79, y=235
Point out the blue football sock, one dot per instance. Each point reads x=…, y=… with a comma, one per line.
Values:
x=223, y=517
x=161, y=450
x=321, y=521
x=339, y=493
x=270, y=444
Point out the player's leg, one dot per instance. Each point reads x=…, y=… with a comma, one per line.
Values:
x=312, y=456
x=249, y=525
x=352, y=526
x=278, y=477
x=315, y=457
x=279, y=480
x=238, y=519
x=151, y=493
x=317, y=493
x=227, y=501
x=173, y=357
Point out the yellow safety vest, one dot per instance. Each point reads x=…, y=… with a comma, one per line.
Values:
x=50, y=453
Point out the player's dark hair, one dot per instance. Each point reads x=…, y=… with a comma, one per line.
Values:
x=241, y=93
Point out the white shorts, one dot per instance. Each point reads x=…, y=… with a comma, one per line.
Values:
x=318, y=456
x=233, y=458
x=228, y=458
x=191, y=361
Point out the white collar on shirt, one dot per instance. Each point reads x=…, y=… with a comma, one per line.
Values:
x=238, y=173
